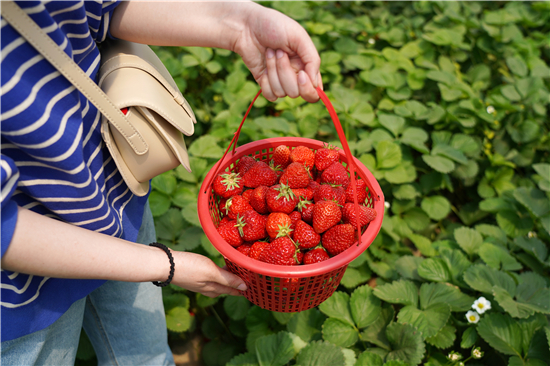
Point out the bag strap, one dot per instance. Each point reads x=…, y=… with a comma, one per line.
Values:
x=19, y=20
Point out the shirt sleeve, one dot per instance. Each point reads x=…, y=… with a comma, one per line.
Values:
x=99, y=15
x=9, y=176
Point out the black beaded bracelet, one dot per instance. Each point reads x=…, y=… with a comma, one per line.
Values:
x=172, y=265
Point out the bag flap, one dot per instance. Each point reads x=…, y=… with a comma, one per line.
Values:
x=119, y=54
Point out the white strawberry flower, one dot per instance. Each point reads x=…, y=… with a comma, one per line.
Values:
x=387, y=204
x=472, y=316
x=372, y=41
x=490, y=109
x=481, y=305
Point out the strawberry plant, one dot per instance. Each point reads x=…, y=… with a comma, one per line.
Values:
x=447, y=103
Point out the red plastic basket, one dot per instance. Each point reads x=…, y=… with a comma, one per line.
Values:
x=287, y=288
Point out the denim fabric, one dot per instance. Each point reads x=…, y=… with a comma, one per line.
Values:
x=124, y=321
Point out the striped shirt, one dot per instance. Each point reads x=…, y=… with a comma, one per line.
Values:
x=53, y=159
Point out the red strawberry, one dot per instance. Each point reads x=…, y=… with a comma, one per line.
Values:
x=281, y=251
x=224, y=221
x=325, y=192
x=247, y=194
x=257, y=200
x=325, y=156
x=295, y=216
x=256, y=249
x=366, y=214
x=260, y=174
x=295, y=176
x=306, y=209
x=277, y=169
x=227, y=184
x=230, y=233
x=245, y=248
x=244, y=164
x=314, y=185
x=361, y=186
x=304, y=235
x=281, y=156
x=340, y=195
x=326, y=214
x=278, y=225
x=315, y=256
x=304, y=193
x=338, y=238
x=336, y=174
x=304, y=155
x=252, y=226
x=221, y=205
x=236, y=205
x=280, y=198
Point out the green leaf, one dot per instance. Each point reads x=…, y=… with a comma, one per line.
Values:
x=469, y=338
x=165, y=183
x=369, y=359
x=363, y=113
x=355, y=277
x=213, y=67
x=244, y=359
x=444, y=338
x=498, y=258
x=339, y=333
x=469, y=239
x=206, y=147
x=532, y=295
x=456, y=262
x=190, y=214
x=513, y=224
x=320, y=354
x=178, y=319
x=365, y=307
x=216, y=353
x=308, y=126
x=278, y=349
x=337, y=306
x=533, y=246
x=534, y=200
x=405, y=343
x=428, y=321
x=378, y=77
x=517, y=65
x=482, y=278
x=307, y=324
x=190, y=238
x=439, y=163
x=236, y=307
x=170, y=224
x=437, y=207
x=407, y=267
x=376, y=332
x=423, y=244
x=434, y=269
x=502, y=333
x=398, y=292
x=388, y=154
x=439, y=293
x=392, y=122
x=159, y=203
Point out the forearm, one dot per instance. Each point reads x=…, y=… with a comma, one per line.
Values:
x=202, y=24
x=47, y=247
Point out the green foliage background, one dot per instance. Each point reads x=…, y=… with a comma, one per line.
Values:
x=447, y=104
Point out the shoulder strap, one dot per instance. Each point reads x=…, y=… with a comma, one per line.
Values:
x=19, y=20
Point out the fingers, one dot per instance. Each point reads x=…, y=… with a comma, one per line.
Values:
x=286, y=77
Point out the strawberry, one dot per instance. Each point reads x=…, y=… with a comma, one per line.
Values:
x=252, y=226
x=227, y=184
x=247, y=194
x=277, y=169
x=295, y=216
x=304, y=155
x=221, y=205
x=361, y=191
x=244, y=164
x=278, y=225
x=280, y=198
x=295, y=176
x=336, y=174
x=230, y=233
x=304, y=235
x=313, y=185
x=325, y=192
x=325, y=156
x=338, y=238
x=315, y=256
x=260, y=174
x=281, y=156
x=224, y=221
x=281, y=251
x=245, y=248
x=366, y=214
x=257, y=199
x=306, y=209
x=304, y=193
x=326, y=214
x=236, y=205
x=256, y=249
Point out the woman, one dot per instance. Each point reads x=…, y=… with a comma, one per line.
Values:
x=70, y=226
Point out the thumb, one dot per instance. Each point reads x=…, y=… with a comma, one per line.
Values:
x=231, y=280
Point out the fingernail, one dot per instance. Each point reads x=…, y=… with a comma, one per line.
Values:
x=242, y=287
x=269, y=53
x=302, y=77
x=280, y=53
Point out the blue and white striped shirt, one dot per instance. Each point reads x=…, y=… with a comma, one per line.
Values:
x=53, y=159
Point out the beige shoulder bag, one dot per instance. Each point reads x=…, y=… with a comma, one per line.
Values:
x=147, y=140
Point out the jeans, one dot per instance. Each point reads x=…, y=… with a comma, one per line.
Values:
x=125, y=322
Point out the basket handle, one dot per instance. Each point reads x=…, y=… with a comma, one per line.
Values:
x=341, y=135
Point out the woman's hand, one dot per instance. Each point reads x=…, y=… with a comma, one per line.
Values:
x=197, y=273
x=280, y=55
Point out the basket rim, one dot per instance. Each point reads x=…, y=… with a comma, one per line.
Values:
x=230, y=253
